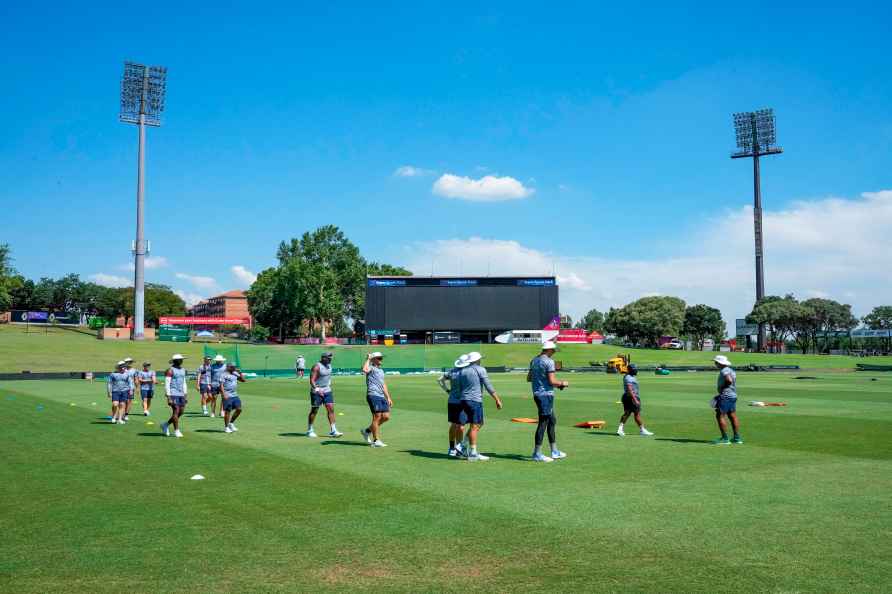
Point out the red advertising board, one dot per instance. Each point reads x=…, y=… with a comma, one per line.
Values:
x=190, y=321
x=578, y=335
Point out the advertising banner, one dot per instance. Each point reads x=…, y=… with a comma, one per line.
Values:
x=191, y=321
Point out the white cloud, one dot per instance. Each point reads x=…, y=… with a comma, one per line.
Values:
x=199, y=282
x=190, y=298
x=111, y=280
x=151, y=263
x=411, y=171
x=244, y=276
x=830, y=247
x=488, y=188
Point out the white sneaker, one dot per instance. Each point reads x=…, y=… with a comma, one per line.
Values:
x=378, y=444
x=541, y=458
x=178, y=433
x=452, y=453
x=227, y=430
x=165, y=429
x=477, y=457
x=620, y=432
x=212, y=415
x=233, y=427
x=334, y=434
x=126, y=418
x=122, y=422
x=644, y=432
x=205, y=412
x=311, y=433
x=366, y=435
x=114, y=421
x=557, y=455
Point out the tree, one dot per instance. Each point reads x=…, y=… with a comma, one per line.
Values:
x=592, y=321
x=376, y=269
x=822, y=317
x=6, y=276
x=782, y=316
x=644, y=321
x=160, y=301
x=566, y=321
x=880, y=318
x=702, y=322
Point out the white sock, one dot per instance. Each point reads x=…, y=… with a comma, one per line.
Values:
x=473, y=450
x=310, y=429
x=620, y=427
x=334, y=428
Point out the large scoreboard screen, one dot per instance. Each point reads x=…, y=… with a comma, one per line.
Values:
x=410, y=304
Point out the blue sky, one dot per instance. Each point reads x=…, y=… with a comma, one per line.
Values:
x=613, y=123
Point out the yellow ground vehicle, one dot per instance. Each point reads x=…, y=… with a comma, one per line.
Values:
x=619, y=364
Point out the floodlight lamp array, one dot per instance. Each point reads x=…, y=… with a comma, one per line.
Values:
x=756, y=133
x=142, y=93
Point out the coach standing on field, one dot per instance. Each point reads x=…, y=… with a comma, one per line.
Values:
x=473, y=379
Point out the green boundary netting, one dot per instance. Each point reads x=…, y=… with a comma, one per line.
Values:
x=276, y=360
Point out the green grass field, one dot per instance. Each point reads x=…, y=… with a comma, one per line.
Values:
x=67, y=350
x=803, y=506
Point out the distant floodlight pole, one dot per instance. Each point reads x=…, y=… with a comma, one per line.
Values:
x=756, y=136
x=142, y=101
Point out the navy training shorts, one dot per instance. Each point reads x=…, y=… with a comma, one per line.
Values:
x=232, y=403
x=377, y=404
x=629, y=404
x=178, y=401
x=317, y=400
x=726, y=405
x=122, y=396
x=473, y=411
x=545, y=404
x=456, y=414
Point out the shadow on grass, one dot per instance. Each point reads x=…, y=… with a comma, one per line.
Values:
x=343, y=443
x=431, y=455
x=682, y=440
x=293, y=435
x=508, y=457
x=209, y=431
x=604, y=433
x=147, y=434
x=101, y=423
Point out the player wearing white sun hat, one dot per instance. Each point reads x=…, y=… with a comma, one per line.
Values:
x=542, y=377
x=474, y=380
x=118, y=386
x=725, y=402
x=217, y=369
x=450, y=384
x=176, y=389
x=131, y=373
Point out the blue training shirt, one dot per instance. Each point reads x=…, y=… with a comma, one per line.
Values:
x=145, y=380
x=374, y=382
x=729, y=392
x=177, y=381
x=229, y=383
x=473, y=379
x=630, y=386
x=540, y=367
x=217, y=371
x=118, y=381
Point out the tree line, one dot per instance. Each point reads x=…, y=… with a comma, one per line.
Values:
x=811, y=325
x=71, y=294
x=316, y=287
x=644, y=321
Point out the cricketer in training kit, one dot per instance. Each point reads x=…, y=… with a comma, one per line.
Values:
x=145, y=381
x=203, y=381
x=322, y=395
x=218, y=368
x=377, y=397
x=542, y=378
x=299, y=366
x=725, y=402
x=231, y=404
x=131, y=373
x=118, y=385
x=631, y=400
x=175, y=388
x=449, y=381
x=473, y=379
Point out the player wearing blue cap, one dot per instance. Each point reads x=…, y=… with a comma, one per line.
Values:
x=231, y=403
x=118, y=386
x=377, y=397
x=145, y=383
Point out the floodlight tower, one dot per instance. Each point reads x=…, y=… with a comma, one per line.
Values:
x=756, y=136
x=142, y=101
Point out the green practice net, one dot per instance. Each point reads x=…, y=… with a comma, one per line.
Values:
x=279, y=360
